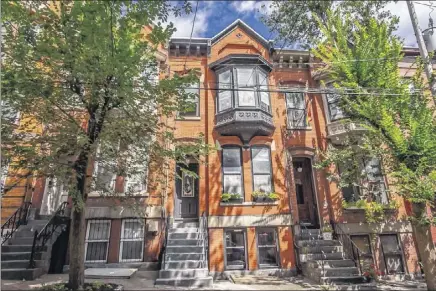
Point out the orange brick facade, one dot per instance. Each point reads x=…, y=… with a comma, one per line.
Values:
x=286, y=145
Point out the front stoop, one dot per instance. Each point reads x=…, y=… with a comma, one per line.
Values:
x=185, y=264
x=316, y=253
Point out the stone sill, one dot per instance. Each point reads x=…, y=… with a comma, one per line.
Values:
x=224, y=204
x=193, y=118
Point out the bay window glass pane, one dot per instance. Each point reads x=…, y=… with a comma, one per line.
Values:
x=246, y=80
x=232, y=160
x=262, y=183
x=263, y=85
x=232, y=184
x=261, y=161
x=224, y=96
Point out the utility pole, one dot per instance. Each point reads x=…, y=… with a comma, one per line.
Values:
x=422, y=50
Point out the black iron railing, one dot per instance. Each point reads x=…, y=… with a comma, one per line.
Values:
x=350, y=249
x=57, y=222
x=164, y=229
x=205, y=239
x=18, y=218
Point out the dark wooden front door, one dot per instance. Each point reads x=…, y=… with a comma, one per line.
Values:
x=307, y=210
x=186, y=199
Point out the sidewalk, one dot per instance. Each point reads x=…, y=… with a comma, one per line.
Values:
x=243, y=283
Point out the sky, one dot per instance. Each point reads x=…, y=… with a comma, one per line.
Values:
x=214, y=16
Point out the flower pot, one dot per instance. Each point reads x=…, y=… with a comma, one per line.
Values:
x=236, y=200
x=259, y=199
x=327, y=236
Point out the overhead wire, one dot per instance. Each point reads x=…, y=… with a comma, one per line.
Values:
x=192, y=31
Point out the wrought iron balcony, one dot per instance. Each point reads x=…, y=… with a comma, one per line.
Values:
x=245, y=122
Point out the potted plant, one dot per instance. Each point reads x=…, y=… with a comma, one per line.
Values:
x=231, y=198
x=327, y=231
x=259, y=196
x=273, y=196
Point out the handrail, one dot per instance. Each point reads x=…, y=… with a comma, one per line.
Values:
x=40, y=238
x=349, y=247
x=205, y=239
x=19, y=217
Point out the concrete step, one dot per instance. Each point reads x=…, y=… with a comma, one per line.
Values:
x=184, y=235
x=187, y=264
x=186, y=224
x=337, y=272
x=21, y=274
x=185, y=242
x=37, y=222
x=189, y=282
x=183, y=273
x=23, y=233
x=18, y=248
x=184, y=230
x=306, y=243
x=184, y=249
x=17, y=256
x=20, y=241
x=341, y=280
x=31, y=227
x=312, y=257
x=19, y=264
x=331, y=264
x=321, y=249
x=183, y=257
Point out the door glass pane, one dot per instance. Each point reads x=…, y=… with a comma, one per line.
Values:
x=225, y=100
x=246, y=80
x=262, y=183
x=232, y=184
x=263, y=82
x=261, y=161
x=232, y=160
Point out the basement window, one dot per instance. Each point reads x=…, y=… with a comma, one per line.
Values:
x=97, y=241
x=132, y=240
x=267, y=248
x=235, y=252
x=392, y=254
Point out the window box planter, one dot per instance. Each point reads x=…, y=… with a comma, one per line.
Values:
x=263, y=199
x=233, y=200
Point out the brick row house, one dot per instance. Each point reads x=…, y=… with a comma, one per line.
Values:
x=255, y=107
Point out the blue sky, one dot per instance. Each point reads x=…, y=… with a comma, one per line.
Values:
x=214, y=16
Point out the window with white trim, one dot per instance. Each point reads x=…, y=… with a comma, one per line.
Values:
x=97, y=241
x=132, y=240
x=296, y=110
x=192, y=108
x=261, y=162
x=232, y=170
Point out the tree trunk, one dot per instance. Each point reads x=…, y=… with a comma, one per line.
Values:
x=426, y=248
x=77, y=249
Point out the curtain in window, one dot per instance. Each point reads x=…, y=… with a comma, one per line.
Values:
x=296, y=109
x=261, y=169
x=232, y=170
x=132, y=240
x=224, y=96
x=246, y=81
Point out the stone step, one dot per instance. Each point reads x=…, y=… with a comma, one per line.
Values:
x=312, y=257
x=343, y=280
x=20, y=241
x=183, y=273
x=306, y=243
x=185, y=242
x=24, y=233
x=184, y=235
x=337, y=272
x=18, y=264
x=183, y=257
x=308, y=236
x=21, y=274
x=37, y=222
x=184, y=230
x=18, y=248
x=31, y=227
x=186, y=225
x=189, y=282
x=187, y=264
x=184, y=249
x=331, y=264
x=321, y=249
x=360, y=287
x=16, y=256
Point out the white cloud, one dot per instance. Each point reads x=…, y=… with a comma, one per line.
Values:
x=246, y=7
x=183, y=23
x=405, y=29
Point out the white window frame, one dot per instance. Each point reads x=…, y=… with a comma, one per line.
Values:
x=99, y=240
x=131, y=239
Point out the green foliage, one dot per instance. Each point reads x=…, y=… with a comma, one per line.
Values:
x=270, y=196
x=401, y=126
x=226, y=197
x=94, y=286
x=295, y=21
x=327, y=227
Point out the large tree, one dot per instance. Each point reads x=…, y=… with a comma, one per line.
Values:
x=362, y=61
x=83, y=76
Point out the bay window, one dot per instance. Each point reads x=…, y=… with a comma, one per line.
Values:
x=243, y=86
x=261, y=162
x=232, y=170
